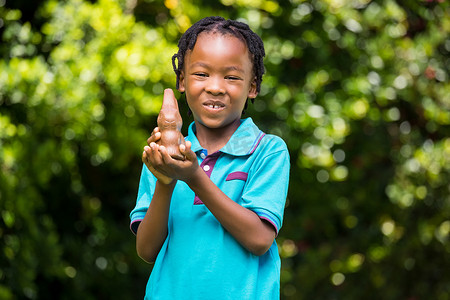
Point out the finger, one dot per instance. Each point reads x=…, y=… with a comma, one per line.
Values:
x=154, y=156
x=182, y=148
x=165, y=154
x=146, y=153
x=156, y=135
x=187, y=152
x=147, y=157
x=144, y=156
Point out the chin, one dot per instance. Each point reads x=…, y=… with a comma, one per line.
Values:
x=219, y=124
x=212, y=125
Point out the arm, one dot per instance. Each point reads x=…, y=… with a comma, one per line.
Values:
x=243, y=224
x=152, y=230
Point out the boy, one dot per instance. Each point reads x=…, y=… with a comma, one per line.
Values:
x=212, y=228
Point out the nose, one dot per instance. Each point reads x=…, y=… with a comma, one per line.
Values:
x=215, y=86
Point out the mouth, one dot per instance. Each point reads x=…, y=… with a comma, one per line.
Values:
x=215, y=105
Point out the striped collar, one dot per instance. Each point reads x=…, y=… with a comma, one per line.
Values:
x=243, y=141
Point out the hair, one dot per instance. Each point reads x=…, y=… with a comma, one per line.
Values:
x=218, y=24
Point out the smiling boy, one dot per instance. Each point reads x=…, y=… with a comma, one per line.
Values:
x=212, y=229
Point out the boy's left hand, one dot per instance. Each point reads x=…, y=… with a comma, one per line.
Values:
x=176, y=169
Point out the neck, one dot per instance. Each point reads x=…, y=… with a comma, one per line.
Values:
x=214, y=139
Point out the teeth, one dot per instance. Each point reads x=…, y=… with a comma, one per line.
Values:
x=213, y=106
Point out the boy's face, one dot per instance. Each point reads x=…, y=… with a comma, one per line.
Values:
x=218, y=78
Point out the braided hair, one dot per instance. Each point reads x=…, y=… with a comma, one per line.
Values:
x=218, y=24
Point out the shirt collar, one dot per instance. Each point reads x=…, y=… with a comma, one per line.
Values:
x=243, y=141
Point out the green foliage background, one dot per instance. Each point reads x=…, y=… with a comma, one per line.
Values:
x=358, y=89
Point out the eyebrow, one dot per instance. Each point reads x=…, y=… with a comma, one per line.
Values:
x=229, y=68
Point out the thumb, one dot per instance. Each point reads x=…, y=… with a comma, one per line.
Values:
x=187, y=152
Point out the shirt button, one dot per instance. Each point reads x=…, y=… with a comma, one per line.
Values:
x=206, y=168
x=202, y=155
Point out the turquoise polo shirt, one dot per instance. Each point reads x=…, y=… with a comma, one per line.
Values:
x=199, y=258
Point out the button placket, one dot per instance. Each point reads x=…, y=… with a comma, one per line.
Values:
x=207, y=165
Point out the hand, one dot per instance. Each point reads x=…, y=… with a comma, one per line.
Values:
x=163, y=164
x=149, y=153
x=185, y=169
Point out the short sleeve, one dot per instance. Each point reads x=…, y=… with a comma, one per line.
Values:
x=268, y=180
x=145, y=193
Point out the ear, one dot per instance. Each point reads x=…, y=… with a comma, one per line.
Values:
x=252, y=93
x=181, y=86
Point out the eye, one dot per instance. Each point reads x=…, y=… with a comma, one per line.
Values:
x=200, y=74
x=233, y=77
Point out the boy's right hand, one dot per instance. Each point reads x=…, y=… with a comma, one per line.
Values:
x=149, y=154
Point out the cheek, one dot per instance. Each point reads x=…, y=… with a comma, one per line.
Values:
x=240, y=91
x=193, y=86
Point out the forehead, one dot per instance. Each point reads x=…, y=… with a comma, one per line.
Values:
x=225, y=48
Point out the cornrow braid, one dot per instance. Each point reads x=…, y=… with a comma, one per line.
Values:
x=218, y=24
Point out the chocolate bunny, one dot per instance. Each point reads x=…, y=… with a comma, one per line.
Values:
x=170, y=123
